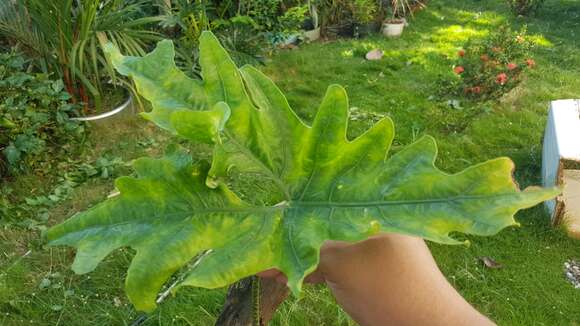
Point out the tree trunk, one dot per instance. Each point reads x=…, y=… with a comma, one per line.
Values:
x=84, y=99
x=68, y=83
x=238, y=308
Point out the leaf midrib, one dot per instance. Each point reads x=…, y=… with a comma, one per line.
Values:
x=309, y=204
x=365, y=204
x=361, y=204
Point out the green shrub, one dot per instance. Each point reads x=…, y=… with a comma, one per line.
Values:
x=335, y=12
x=292, y=20
x=34, y=116
x=525, y=7
x=241, y=36
x=264, y=12
x=240, y=28
x=491, y=68
x=364, y=11
x=66, y=37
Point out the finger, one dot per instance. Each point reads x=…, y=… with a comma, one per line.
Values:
x=281, y=278
x=274, y=274
x=316, y=277
x=333, y=244
x=269, y=273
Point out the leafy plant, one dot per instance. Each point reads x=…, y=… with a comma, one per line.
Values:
x=324, y=186
x=364, y=11
x=335, y=12
x=69, y=35
x=404, y=8
x=240, y=34
x=191, y=16
x=32, y=211
x=264, y=12
x=493, y=67
x=34, y=116
x=241, y=37
x=343, y=17
x=525, y=7
x=291, y=21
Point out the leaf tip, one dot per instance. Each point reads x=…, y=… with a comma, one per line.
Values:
x=224, y=113
x=110, y=48
x=295, y=288
x=212, y=182
x=81, y=269
x=113, y=53
x=429, y=139
x=208, y=37
x=374, y=227
x=336, y=90
x=44, y=236
x=146, y=116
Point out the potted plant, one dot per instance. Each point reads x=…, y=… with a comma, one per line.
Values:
x=290, y=25
x=363, y=12
x=68, y=38
x=336, y=18
x=393, y=27
x=311, y=26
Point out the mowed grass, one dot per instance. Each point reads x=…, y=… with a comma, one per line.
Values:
x=530, y=289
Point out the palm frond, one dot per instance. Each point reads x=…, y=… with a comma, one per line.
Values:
x=70, y=35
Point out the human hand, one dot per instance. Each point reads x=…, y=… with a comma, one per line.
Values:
x=389, y=279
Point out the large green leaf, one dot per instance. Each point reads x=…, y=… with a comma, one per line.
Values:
x=329, y=187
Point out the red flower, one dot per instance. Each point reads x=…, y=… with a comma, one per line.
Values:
x=531, y=63
x=458, y=70
x=461, y=53
x=484, y=58
x=511, y=66
x=501, y=79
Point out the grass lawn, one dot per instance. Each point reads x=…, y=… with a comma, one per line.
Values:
x=40, y=289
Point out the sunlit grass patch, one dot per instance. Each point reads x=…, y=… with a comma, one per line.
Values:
x=455, y=34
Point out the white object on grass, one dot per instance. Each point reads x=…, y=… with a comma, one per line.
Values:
x=561, y=163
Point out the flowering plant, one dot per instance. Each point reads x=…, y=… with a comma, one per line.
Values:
x=525, y=7
x=491, y=68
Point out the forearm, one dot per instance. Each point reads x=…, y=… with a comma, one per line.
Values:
x=395, y=281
